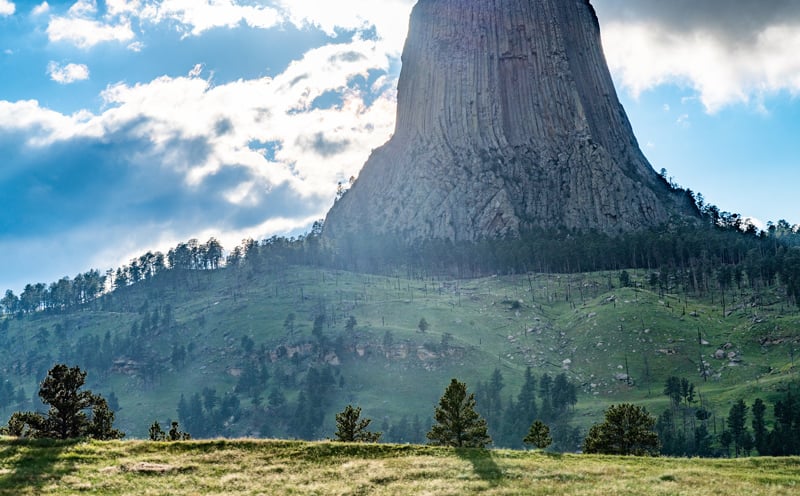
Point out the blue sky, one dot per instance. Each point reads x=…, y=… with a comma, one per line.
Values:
x=132, y=125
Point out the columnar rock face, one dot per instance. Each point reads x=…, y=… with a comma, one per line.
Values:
x=507, y=120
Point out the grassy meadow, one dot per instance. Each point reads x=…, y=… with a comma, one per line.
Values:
x=264, y=467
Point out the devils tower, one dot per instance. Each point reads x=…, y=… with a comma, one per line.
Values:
x=507, y=121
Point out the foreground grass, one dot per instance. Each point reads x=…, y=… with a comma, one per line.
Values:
x=286, y=467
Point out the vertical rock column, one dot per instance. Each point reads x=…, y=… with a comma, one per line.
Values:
x=507, y=120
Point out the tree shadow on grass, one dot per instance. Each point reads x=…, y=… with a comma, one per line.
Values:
x=482, y=463
x=30, y=465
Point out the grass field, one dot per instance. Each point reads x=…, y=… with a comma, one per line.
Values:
x=258, y=467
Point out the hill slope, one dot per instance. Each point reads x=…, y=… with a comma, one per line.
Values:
x=231, y=332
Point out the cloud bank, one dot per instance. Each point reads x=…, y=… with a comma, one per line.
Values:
x=729, y=52
x=180, y=156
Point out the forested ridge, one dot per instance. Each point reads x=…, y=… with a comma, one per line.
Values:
x=271, y=337
x=724, y=250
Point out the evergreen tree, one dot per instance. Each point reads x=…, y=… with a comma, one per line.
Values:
x=494, y=405
x=156, y=433
x=672, y=389
x=672, y=441
x=702, y=441
x=737, y=418
x=102, y=423
x=457, y=422
x=759, y=427
x=627, y=430
x=61, y=390
x=175, y=434
x=400, y=433
x=25, y=424
x=350, y=428
x=564, y=394
x=785, y=437
x=526, y=401
x=538, y=435
x=545, y=393
x=520, y=413
x=66, y=417
x=725, y=440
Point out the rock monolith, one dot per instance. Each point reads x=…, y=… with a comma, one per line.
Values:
x=507, y=121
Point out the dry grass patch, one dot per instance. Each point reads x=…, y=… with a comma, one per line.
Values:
x=298, y=468
x=150, y=468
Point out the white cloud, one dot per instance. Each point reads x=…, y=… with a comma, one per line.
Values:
x=86, y=33
x=67, y=74
x=122, y=7
x=280, y=110
x=197, y=16
x=83, y=8
x=7, y=8
x=196, y=71
x=85, y=26
x=82, y=29
x=644, y=52
x=389, y=17
x=43, y=126
x=314, y=147
x=41, y=9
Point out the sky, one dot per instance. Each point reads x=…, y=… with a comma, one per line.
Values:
x=132, y=125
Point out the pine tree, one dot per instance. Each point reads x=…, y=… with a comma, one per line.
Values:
x=494, y=388
x=737, y=426
x=564, y=394
x=102, y=424
x=526, y=401
x=458, y=424
x=66, y=417
x=175, y=434
x=759, y=426
x=545, y=393
x=350, y=428
x=538, y=435
x=627, y=430
x=61, y=390
x=156, y=433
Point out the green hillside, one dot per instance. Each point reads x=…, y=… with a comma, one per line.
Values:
x=229, y=330
x=290, y=467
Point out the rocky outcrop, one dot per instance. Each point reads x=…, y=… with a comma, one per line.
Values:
x=507, y=120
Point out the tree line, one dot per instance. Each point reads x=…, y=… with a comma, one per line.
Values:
x=689, y=428
x=626, y=430
x=549, y=399
x=704, y=256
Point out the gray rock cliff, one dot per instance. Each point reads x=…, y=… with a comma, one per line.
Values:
x=507, y=120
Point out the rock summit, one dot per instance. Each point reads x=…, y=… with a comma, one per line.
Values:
x=507, y=121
